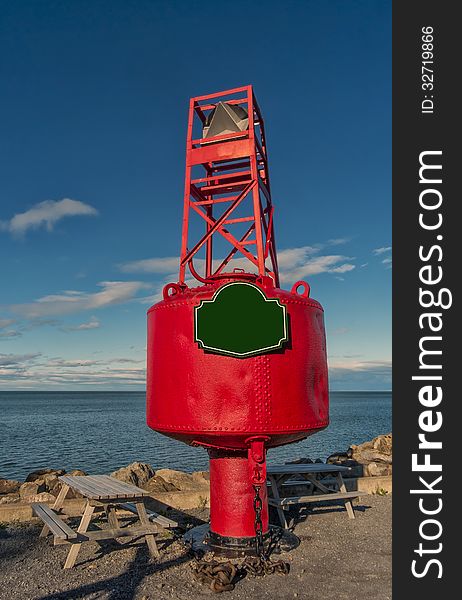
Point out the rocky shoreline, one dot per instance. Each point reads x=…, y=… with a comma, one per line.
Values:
x=43, y=485
x=372, y=459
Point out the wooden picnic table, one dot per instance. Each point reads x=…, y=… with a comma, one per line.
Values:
x=322, y=481
x=105, y=495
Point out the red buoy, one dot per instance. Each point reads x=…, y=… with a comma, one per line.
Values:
x=236, y=365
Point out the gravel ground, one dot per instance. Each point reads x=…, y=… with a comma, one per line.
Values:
x=337, y=559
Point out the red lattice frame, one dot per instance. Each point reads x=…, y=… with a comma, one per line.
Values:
x=235, y=172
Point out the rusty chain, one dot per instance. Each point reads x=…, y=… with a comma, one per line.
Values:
x=219, y=576
x=258, y=568
x=262, y=563
x=223, y=576
x=258, y=505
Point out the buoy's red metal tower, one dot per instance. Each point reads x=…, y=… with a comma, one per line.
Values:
x=235, y=172
x=235, y=365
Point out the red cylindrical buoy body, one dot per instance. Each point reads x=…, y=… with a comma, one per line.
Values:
x=219, y=402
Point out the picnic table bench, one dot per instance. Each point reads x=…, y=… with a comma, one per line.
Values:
x=322, y=481
x=105, y=495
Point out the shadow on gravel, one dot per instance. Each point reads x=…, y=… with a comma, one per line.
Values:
x=10, y=552
x=107, y=547
x=124, y=585
x=299, y=515
x=21, y=544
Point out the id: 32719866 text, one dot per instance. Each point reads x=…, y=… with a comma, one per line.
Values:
x=427, y=62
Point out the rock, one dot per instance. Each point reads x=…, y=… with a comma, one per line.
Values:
x=8, y=486
x=367, y=456
x=51, y=482
x=31, y=488
x=158, y=484
x=339, y=457
x=42, y=497
x=377, y=450
x=360, y=447
x=370, y=459
x=10, y=498
x=182, y=481
x=371, y=470
x=384, y=444
x=202, y=477
x=381, y=445
x=374, y=469
x=137, y=474
x=39, y=474
x=53, y=485
x=77, y=473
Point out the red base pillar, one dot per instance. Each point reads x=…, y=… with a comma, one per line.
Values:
x=232, y=493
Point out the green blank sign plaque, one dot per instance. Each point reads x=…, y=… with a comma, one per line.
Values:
x=240, y=321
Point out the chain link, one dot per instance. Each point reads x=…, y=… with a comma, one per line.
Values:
x=262, y=563
x=218, y=576
x=258, y=506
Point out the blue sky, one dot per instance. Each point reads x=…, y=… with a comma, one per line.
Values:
x=93, y=120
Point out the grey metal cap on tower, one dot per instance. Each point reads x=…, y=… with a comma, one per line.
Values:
x=225, y=118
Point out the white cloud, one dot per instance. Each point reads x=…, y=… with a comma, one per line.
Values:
x=299, y=263
x=33, y=371
x=17, y=359
x=93, y=323
x=5, y=323
x=378, y=251
x=46, y=214
x=294, y=263
x=338, y=241
x=20, y=328
x=387, y=261
x=342, y=268
x=70, y=301
x=129, y=360
x=151, y=265
x=10, y=333
x=61, y=362
x=355, y=374
x=291, y=256
x=360, y=365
